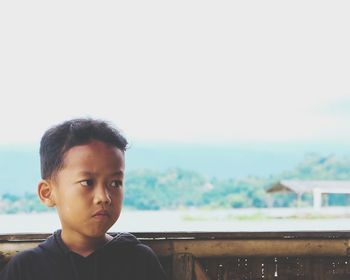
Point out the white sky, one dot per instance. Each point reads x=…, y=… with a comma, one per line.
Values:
x=189, y=70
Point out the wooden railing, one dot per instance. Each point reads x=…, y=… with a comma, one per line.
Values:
x=209, y=256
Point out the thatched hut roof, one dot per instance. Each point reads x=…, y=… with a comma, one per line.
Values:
x=301, y=186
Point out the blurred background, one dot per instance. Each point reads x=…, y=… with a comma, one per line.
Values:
x=220, y=101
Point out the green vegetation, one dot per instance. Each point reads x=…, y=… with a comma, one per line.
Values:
x=11, y=204
x=178, y=188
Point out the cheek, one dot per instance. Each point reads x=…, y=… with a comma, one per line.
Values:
x=121, y=194
x=118, y=198
x=69, y=206
x=71, y=202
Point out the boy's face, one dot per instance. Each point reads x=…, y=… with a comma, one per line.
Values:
x=88, y=190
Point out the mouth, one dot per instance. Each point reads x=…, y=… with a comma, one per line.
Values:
x=101, y=214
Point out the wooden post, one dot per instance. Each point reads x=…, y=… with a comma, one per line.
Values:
x=199, y=272
x=183, y=265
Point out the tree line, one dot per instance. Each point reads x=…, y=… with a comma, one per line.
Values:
x=178, y=188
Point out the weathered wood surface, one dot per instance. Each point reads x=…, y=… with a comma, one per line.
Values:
x=183, y=267
x=229, y=248
x=209, y=256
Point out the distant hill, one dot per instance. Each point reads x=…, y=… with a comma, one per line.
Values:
x=175, y=188
x=19, y=166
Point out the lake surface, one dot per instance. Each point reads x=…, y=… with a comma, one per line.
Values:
x=192, y=220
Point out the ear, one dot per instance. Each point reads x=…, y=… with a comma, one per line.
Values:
x=45, y=192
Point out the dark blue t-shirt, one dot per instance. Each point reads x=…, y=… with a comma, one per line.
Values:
x=122, y=258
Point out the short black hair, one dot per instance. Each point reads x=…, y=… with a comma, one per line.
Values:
x=57, y=140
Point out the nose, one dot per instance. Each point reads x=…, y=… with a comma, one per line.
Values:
x=102, y=195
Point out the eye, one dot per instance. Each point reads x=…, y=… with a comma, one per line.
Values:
x=87, y=183
x=116, y=183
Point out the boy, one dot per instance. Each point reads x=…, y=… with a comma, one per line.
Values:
x=82, y=169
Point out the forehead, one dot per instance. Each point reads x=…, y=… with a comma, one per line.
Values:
x=95, y=154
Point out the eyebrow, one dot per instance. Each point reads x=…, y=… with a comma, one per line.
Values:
x=118, y=173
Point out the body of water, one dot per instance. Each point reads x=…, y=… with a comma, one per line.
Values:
x=194, y=220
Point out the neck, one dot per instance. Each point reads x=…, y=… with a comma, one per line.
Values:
x=83, y=245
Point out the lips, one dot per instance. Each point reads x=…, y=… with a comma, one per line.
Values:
x=101, y=213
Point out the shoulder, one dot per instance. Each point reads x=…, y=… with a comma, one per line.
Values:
x=140, y=258
x=24, y=264
x=19, y=265
x=148, y=260
x=144, y=251
x=133, y=246
x=149, y=263
x=24, y=257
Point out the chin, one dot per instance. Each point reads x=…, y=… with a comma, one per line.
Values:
x=98, y=233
